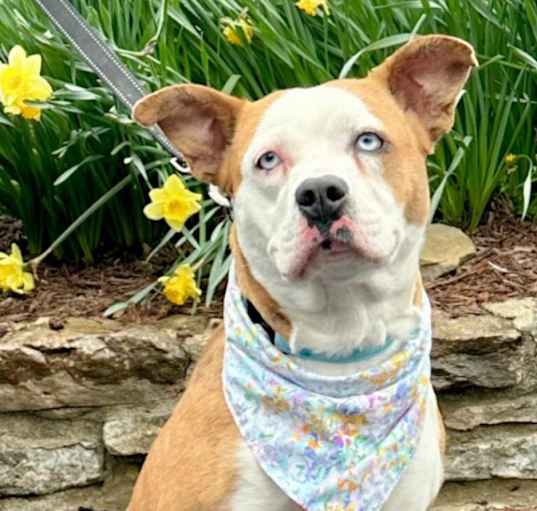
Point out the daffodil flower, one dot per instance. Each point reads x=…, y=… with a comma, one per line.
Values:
x=231, y=28
x=174, y=202
x=511, y=159
x=20, y=81
x=181, y=285
x=310, y=7
x=12, y=275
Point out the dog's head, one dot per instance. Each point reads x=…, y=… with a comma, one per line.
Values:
x=328, y=182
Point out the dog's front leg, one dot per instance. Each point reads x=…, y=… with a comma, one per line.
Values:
x=255, y=490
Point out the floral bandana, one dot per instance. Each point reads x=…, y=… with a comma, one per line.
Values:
x=329, y=443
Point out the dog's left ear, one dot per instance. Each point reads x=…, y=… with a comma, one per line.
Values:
x=426, y=77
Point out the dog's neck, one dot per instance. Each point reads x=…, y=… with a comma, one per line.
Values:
x=335, y=319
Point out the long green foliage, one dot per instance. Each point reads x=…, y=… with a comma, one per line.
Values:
x=51, y=172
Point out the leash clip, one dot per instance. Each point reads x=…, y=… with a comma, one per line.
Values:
x=181, y=167
x=214, y=192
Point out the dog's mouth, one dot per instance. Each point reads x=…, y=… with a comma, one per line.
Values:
x=340, y=243
x=337, y=243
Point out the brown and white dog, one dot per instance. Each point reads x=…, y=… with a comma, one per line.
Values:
x=300, y=164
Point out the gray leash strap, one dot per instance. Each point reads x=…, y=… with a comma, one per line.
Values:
x=102, y=60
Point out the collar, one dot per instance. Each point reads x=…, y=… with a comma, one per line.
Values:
x=357, y=355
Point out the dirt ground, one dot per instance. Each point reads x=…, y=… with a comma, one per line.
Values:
x=77, y=290
x=504, y=267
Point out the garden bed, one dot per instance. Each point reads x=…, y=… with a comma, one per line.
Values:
x=503, y=268
x=70, y=290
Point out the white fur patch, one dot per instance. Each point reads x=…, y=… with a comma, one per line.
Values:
x=255, y=490
x=335, y=307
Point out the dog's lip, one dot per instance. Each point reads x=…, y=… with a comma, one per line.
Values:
x=325, y=250
x=332, y=247
x=343, y=242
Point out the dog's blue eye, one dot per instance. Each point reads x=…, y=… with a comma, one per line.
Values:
x=268, y=161
x=369, y=142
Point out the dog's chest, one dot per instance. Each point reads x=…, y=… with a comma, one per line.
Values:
x=416, y=490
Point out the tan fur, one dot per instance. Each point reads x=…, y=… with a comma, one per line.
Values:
x=257, y=294
x=181, y=472
x=202, y=412
x=248, y=119
x=442, y=432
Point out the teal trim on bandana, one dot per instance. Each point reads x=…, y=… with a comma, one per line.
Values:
x=358, y=355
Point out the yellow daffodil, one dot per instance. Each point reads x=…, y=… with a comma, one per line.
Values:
x=310, y=7
x=511, y=159
x=231, y=29
x=20, y=81
x=180, y=286
x=174, y=202
x=12, y=275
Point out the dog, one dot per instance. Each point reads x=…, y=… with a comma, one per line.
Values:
x=331, y=200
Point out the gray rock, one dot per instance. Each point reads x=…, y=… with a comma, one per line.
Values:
x=93, y=365
x=483, y=351
x=523, y=312
x=467, y=411
x=444, y=250
x=39, y=456
x=130, y=431
x=494, y=494
x=113, y=495
x=496, y=451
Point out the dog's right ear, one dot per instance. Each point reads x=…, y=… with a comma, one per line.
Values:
x=198, y=121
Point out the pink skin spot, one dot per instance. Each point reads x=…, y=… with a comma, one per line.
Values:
x=309, y=239
x=360, y=164
x=345, y=236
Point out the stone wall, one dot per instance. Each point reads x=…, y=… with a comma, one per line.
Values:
x=79, y=407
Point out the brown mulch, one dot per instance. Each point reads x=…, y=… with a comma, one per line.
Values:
x=505, y=266
x=71, y=290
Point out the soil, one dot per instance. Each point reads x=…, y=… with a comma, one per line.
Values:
x=10, y=232
x=504, y=267
x=76, y=290
x=71, y=290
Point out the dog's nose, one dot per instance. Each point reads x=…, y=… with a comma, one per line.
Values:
x=321, y=199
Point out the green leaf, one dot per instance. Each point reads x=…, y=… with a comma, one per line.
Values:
x=386, y=42
x=70, y=171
